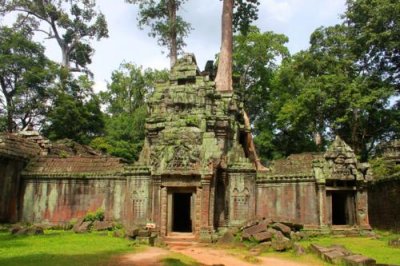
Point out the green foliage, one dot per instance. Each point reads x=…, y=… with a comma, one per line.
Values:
x=124, y=100
x=244, y=13
x=75, y=113
x=255, y=60
x=322, y=92
x=25, y=74
x=160, y=16
x=98, y=215
x=71, y=23
x=375, y=27
x=382, y=167
x=61, y=248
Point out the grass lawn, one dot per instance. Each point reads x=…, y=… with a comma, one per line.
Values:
x=374, y=248
x=61, y=248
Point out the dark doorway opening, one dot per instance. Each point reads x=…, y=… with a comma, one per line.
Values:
x=182, y=221
x=343, y=208
x=338, y=209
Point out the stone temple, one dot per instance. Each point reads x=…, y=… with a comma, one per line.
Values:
x=196, y=173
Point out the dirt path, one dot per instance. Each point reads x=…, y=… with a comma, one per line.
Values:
x=210, y=256
x=148, y=257
x=204, y=255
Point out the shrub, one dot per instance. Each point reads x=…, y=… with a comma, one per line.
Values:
x=98, y=215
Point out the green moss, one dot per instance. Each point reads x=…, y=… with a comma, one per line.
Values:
x=192, y=121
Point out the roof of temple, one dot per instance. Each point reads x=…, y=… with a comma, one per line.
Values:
x=74, y=166
x=17, y=147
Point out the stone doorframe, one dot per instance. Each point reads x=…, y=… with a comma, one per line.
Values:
x=203, y=193
x=170, y=205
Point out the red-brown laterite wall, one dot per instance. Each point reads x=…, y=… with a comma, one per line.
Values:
x=9, y=189
x=294, y=202
x=384, y=205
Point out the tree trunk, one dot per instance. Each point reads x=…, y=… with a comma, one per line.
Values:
x=10, y=124
x=65, y=57
x=224, y=75
x=173, y=54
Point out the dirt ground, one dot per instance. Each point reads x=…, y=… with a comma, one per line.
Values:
x=204, y=255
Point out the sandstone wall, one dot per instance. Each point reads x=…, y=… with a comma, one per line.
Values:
x=384, y=204
x=59, y=200
x=294, y=201
x=10, y=170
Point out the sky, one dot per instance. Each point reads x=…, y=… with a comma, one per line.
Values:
x=297, y=19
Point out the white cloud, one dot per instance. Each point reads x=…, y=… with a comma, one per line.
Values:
x=281, y=11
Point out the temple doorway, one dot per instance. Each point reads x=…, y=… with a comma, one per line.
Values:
x=343, y=208
x=182, y=211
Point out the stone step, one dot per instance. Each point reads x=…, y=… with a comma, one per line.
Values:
x=180, y=240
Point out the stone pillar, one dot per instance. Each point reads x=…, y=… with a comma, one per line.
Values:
x=205, y=228
x=156, y=204
x=321, y=190
x=362, y=208
x=164, y=212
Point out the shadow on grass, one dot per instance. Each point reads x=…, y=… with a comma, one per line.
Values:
x=43, y=259
x=174, y=262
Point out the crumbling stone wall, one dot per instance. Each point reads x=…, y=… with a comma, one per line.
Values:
x=56, y=190
x=288, y=201
x=15, y=151
x=57, y=201
x=384, y=204
x=9, y=189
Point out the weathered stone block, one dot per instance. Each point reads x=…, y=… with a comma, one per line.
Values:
x=281, y=244
x=282, y=228
x=263, y=236
x=227, y=238
x=83, y=227
x=333, y=256
x=358, y=260
x=394, y=242
x=254, y=229
x=102, y=225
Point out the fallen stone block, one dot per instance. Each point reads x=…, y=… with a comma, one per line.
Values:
x=394, y=243
x=282, y=228
x=102, y=225
x=333, y=256
x=358, y=260
x=261, y=227
x=263, y=236
x=227, y=238
x=83, y=228
x=318, y=250
x=281, y=244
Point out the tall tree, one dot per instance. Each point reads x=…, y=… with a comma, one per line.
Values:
x=75, y=112
x=375, y=27
x=71, y=23
x=255, y=60
x=164, y=23
x=235, y=15
x=25, y=74
x=322, y=92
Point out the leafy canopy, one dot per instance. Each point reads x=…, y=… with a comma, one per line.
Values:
x=25, y=75
x=71, y=23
